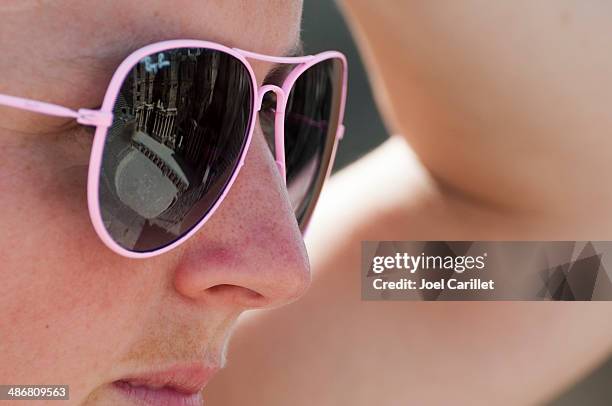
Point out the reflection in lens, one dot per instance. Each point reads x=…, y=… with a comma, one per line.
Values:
x=311, y=124
x=180, y=126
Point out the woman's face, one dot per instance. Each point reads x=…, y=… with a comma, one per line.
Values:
x=73, y=312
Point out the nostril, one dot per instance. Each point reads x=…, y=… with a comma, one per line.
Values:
x=238, y=294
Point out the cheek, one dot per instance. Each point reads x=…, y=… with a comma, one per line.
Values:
x=68, y=304
x=44, y=214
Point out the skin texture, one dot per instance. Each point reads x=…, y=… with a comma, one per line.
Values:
x=73, y=312
x=505, y=111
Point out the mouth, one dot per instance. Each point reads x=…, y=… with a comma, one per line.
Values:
x=177, y=386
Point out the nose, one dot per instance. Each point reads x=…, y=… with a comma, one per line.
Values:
x=250, y=253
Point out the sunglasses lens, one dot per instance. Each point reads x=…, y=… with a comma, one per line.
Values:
x=181, y=122
x=311, y=124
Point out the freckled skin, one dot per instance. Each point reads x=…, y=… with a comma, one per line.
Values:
x=73, y=312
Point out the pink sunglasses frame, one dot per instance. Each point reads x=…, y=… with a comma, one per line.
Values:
x=103, y=118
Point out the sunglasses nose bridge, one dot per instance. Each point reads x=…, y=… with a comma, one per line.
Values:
x=279, y=124
x=280, y=97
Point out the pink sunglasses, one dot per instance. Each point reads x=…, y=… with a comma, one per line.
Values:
x=175, y=127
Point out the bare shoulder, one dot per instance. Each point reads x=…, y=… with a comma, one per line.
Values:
x=330, y=348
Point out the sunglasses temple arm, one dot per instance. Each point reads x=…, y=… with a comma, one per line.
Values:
x=83, y=116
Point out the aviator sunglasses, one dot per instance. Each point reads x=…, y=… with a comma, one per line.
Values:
x=175, y=126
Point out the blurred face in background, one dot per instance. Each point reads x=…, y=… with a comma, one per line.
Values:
x=75, y=313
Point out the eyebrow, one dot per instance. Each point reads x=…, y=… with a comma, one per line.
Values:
x=296, y=50
x=279, y=71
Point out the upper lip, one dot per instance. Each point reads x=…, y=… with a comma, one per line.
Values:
x=185, y=378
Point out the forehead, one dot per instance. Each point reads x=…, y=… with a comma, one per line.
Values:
x=86, y=40
x=265, y=26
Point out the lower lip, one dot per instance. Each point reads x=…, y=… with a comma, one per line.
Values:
x=145, y=396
